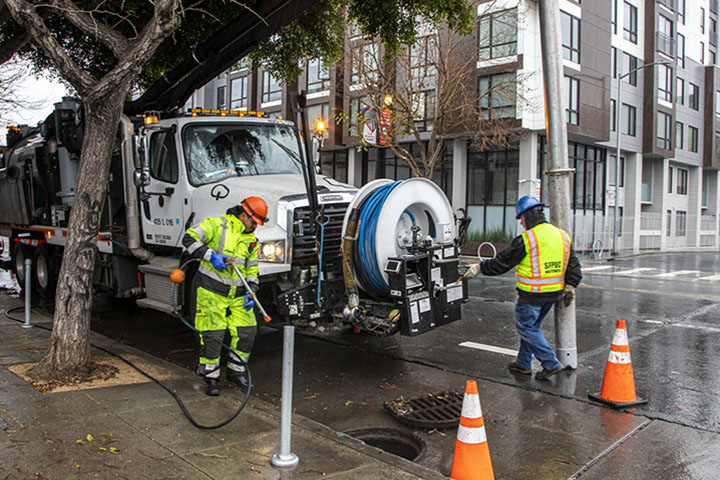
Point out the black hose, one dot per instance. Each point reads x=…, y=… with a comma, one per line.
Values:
x=165, y=387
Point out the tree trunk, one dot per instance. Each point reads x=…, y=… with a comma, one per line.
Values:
x=69, y=349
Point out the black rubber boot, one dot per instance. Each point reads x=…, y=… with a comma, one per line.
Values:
x=238, y=379
x=211, y=387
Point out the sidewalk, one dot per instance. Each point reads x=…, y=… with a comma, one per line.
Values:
x=45, y=435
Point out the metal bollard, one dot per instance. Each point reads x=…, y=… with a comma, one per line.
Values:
x=28, y=274
x=285, y=458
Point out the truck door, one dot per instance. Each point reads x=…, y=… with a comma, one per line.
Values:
x=162, y=198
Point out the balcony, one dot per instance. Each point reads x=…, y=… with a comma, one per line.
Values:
x=665, y=44
x=671, y=4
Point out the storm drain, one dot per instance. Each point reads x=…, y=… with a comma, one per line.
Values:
x=434, y=410
x=391, y=440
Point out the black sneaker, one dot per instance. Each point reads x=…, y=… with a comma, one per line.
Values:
x=211, y=387
x=515, y=368
x=238, y=379
x=545, y=374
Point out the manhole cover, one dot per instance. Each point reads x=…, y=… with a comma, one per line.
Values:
x=434, y=410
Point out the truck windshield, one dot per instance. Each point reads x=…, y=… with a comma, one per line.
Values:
x=214, y=152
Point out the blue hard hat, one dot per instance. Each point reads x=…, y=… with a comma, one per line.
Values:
x=526, y=203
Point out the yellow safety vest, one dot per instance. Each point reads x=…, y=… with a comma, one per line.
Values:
x=543, y=268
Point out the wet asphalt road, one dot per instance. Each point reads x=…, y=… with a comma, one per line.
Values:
x=671, y=304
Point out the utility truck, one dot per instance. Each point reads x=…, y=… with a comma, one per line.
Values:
x=381, y=258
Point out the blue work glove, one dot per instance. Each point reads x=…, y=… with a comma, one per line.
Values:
x=218, y=261
x=249, y=302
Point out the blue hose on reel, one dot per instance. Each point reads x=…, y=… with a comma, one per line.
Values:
x=366, y=259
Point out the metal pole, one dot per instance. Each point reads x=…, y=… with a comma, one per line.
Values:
x=618, y=133
x=558, y=171
x=285, y=458
x=28, y=274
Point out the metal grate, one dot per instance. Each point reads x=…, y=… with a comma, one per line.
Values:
x=434, y=410
x=304, y=242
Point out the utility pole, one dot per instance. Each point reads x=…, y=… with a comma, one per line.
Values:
x=558, y=171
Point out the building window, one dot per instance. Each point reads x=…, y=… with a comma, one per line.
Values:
x=613, y=61
x=498, y=35
x=693, y=139
x=613, y=16
x=423, y=107
x=668, y=228
x=665, y=77
x=496, y=96
x=360, y=108
x=680, y=223
x=238, y=93
x=717, y=103
x=317, y=112
x=570, y=37
x=664, y=131
x=681, y=49
x=318, y=76
x=270, y=89
x=334, y=164
x=572, y=99
x=220, y=101
x=423, y=57
x=613, y=107
x=630, y=27
x=679, y=135
x=628, y=117
x=702, y=20
x=492, y=184
x=670, y=180
x=611, y=170
x=682, y=181
x=630, y=63
x=665, y=42
x=680, y=94
x=694, y=96
x=364, y=64
x=702, y=53
x=681, y=11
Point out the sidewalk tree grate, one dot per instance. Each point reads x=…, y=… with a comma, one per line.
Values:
x=434, y=410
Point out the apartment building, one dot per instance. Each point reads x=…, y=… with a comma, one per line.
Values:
x=657, y=57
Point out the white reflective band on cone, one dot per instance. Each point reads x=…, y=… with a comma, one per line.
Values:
x=619, y=357
x=470, y=435
x=620, y=338
x=471, y=406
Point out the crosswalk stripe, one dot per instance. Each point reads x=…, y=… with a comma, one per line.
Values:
x=633, y=270
x=676, y=273
x=592, y=269
x=489, y=348
x=712, y=278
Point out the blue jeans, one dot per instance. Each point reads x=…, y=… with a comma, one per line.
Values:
x=528, y=318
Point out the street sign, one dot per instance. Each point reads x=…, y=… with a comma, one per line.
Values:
x=370, y=126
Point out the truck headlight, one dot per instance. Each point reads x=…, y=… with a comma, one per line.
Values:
x=273, y=251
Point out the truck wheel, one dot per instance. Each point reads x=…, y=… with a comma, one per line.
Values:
x=45, y=270
x=19, y=253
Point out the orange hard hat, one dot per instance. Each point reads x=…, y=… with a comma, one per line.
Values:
x=256, y=208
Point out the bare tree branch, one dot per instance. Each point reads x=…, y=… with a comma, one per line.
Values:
x=25, y=15
x=87, y=23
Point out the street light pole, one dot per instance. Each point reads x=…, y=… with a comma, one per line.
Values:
x=618, y=133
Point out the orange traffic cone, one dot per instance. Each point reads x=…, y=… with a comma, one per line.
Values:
x=618, y=387
x=472, y=454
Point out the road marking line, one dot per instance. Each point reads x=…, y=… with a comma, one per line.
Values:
x=490, y=348
x=633, y=270
x=676, y=273
x=683, y=325
x=711, y=278
x=592, y=269
x=643, y=290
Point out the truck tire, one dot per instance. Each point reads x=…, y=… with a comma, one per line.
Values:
x=45, y=271
x=19, y=253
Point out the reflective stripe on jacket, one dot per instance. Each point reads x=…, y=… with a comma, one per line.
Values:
x=543, y=267
x=224, y=235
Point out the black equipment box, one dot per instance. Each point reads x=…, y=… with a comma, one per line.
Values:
x=423, y=285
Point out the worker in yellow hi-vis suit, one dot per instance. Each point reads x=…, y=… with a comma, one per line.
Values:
x=221, y=300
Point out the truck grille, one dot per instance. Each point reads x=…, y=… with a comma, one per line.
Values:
x=304, y=241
